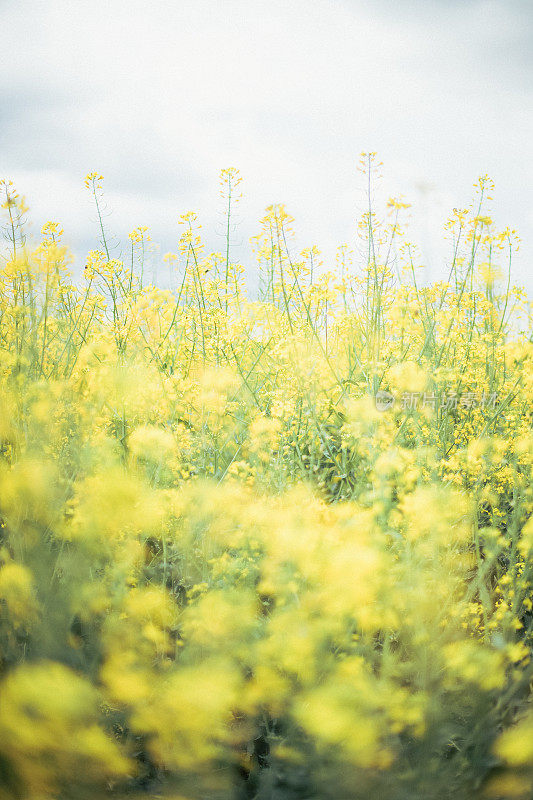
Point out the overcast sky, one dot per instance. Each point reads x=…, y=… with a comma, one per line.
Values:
x=160, y=95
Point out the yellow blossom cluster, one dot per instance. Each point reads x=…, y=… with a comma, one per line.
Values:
x=268, y=547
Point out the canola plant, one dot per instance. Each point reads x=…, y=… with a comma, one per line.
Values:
x=266, y=547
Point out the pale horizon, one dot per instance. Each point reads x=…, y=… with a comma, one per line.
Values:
x=160, y=97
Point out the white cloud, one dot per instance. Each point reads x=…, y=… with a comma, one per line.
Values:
x=159, y=96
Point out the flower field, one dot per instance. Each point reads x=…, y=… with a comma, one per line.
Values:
x=271, y=544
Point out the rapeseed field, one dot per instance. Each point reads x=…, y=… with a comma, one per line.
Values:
x=265, y=544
